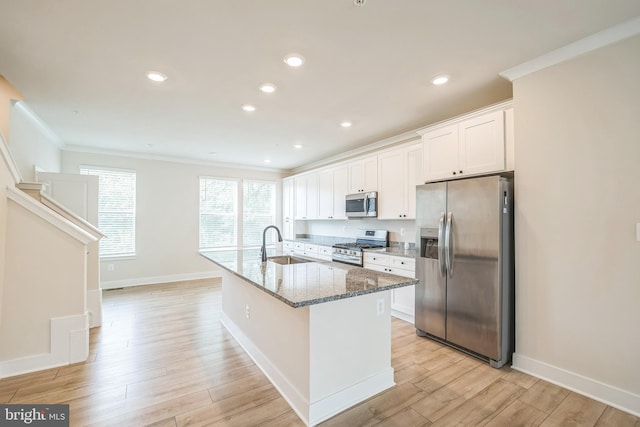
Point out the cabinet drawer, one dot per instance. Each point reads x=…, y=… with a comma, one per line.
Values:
x=311, y=248
x=376, y=258
x=298, y=246
x=288, y=244
x=325, y=250
x=403, y=263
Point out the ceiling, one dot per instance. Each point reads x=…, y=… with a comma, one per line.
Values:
x=81, y=67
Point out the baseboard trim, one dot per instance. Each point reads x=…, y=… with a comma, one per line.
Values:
x=125, y=283
x=69, y=344
x=605, y=393
x=94, y=307
x=403, y=316
x=311, y=413
x=291, y=394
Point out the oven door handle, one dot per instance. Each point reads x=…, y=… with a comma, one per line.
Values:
x=346, y=258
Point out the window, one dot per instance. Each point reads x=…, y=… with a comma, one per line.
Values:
x=218, y=213
x=116, y=210
x=259, y=211
x=226, y=206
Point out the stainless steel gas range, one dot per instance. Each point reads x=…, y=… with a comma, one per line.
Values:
x=351, y=252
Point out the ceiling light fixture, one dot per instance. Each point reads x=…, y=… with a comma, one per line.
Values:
x=156, y=76
x=359, y=2
x=267, y=161
x=294, y=60
x=297, y=146
x=267, y=87
x=345, y=124
x=249, y=108
x=440, y=80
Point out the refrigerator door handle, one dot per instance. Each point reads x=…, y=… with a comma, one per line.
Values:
x=448, y=243
x=441, y=247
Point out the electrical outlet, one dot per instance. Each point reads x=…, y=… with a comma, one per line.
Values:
x=380, y=306
x=247, y=312
x=402, y=231
x=111, y=267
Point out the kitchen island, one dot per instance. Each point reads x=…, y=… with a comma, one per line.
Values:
x=320, y=331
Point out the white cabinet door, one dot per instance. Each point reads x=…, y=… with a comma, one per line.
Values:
x=300, y=184
x=356, y=177
x=325, y=194
x=468, y=147
x=399, y=171
x=481, y=144
x=312, y=195
x=440, y=152
x=288, y=208
x=363, y=175
x=340, y=190
x=370, y=171
x=413, y=162
x=392, y=187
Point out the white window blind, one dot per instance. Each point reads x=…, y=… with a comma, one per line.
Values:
x=259, y=211
x=116, y=210
x=218, y=213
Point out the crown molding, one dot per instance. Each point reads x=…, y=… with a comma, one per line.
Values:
x=595, y=41
x=166, y=158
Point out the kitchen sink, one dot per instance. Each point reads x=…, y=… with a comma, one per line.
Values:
x=286, y=260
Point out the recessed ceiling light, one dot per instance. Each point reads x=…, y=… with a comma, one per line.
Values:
x=294, y=60
x=298, y=146
x=267, y=87
x=156, y=76
x=213, y=152
x=345, y=124
x=267, y=161
x=440, y=80
x=249, y=108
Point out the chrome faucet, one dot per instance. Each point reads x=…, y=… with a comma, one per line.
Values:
x=263, y=249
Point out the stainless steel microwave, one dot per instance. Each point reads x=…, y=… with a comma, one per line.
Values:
x=361, y=205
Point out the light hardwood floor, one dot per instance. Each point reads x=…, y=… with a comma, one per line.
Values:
x=162, y=358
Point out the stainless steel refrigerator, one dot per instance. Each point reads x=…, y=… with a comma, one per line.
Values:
x=465, y=264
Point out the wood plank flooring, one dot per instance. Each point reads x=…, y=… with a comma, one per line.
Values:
x=162, y=358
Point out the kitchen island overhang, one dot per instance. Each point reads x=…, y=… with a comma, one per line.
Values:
x=320, y=331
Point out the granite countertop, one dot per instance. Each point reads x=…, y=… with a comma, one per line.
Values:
x=299, y=285
x=400, y=251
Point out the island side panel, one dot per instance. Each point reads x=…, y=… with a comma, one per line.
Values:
x=350, y=352
x=275, y=335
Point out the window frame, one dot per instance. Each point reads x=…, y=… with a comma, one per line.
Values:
x=121, y=255
x=239, y=211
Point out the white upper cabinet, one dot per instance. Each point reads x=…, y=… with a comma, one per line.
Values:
x=399, y=171
x=325, y=193
x=300, y=185
x=340, y=190
x=471, y=146
x=363, y=175
x=482, y=144
x=288, y=208
x=332, y=189
x=306, y=195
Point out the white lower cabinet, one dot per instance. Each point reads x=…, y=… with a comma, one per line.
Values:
x=402, y=299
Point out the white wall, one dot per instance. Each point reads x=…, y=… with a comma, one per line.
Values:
x=578, y=201
x=166, y=217
x=32, y=143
